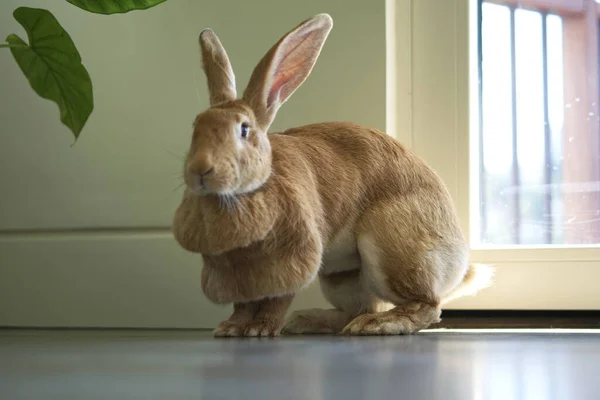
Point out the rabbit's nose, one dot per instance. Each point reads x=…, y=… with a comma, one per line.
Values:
x=208, y=171
x=202, y=166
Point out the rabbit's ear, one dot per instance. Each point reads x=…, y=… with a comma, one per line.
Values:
x=221, y=80
x=283, y=69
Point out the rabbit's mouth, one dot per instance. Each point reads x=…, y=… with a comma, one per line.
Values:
x=199, y=191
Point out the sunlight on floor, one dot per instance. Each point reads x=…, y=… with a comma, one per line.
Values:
x=513, y=330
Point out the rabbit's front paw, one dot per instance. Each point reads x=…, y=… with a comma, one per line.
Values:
x=263, y=328
x=255, y=328
x=229, y=329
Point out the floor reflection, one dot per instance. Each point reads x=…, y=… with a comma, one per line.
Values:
x=438, y=365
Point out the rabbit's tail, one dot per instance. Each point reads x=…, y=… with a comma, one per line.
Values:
x=478, y=276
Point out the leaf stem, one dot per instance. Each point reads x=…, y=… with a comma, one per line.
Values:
x=7, y=45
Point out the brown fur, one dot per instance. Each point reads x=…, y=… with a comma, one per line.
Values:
x=344, y=202
x=261, y=318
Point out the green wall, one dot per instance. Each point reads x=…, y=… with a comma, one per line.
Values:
x=84, y=237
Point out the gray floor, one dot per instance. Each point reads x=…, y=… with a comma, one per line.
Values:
x=191, y=365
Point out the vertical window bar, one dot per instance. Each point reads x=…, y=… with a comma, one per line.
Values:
x=547, y=138
x=515, y=160
x=482, y=176
x=598, y=55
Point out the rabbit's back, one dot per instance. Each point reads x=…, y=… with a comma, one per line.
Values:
x=353, y=167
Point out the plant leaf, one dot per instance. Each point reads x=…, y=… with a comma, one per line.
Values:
x=114, y=6
x=53, y=66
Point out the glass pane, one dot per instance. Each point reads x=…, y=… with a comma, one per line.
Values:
x=539, y=167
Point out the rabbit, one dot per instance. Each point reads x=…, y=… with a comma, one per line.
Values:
x=343, y=203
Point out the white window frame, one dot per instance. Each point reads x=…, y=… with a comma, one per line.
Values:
x=432, y=107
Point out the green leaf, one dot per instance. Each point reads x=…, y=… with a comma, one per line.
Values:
x=53, y=66
x=114, y=6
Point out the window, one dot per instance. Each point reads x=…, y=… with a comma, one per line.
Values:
x=539, y=145
x=500, y=98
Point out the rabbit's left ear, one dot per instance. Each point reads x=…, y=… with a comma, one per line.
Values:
x=283, y=69
x=221, y=80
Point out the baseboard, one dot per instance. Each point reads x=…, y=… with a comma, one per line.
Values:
x=514, y=319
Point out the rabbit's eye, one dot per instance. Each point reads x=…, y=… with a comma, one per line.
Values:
x=245, y=130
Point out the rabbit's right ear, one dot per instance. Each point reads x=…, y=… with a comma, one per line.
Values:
x=283, y=69
x=219, y=74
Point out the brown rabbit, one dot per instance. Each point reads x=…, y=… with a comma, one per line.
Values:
x=342, y=202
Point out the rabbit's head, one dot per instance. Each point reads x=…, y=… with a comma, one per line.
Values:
x=230, y=152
